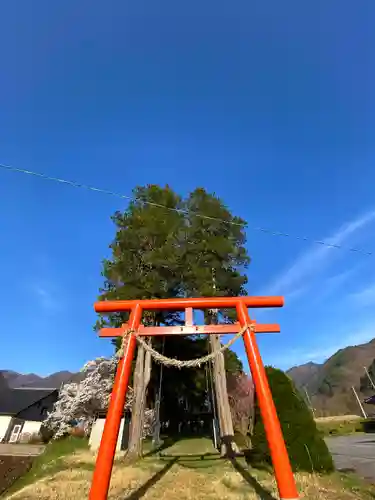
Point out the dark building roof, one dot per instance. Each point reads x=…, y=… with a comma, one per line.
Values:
x=12, y=401
x=370, y=400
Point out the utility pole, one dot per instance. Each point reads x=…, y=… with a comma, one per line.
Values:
x=359, y=402
x=309, y=401
x=369, y=377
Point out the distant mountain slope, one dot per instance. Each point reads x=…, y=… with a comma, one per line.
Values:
x=54, y=380
x=3, y=383
x=330, y=384
x=303, y=374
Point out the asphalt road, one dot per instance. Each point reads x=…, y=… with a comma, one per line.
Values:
x=356, y=453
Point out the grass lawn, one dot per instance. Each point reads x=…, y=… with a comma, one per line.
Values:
x=50, y=462
x=188, y=469
x=339, y=426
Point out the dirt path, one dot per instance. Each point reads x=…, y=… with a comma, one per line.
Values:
x=15, y=461
x=11, y=468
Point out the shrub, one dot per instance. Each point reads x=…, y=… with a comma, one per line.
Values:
x=45, y=433
x=306, y=447
x=35, y=438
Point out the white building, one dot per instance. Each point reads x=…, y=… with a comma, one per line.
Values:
x=98, y=427
x=23, y=410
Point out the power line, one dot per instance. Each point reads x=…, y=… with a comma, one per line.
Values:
x=179, y=210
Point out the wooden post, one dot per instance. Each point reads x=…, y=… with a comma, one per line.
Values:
x=134, y=446
x=146, y=380
x=142, y=377
x=228, y=446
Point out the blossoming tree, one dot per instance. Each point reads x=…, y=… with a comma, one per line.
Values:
x=79, y=401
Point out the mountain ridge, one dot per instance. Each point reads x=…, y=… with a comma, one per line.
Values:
x=329, y=384
x=54, y=380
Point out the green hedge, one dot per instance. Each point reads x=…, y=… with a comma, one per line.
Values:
x=368, y=424
x=306, y=447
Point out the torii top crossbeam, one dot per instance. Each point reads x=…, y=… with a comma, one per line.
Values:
x=188, y=304
x=109, y=306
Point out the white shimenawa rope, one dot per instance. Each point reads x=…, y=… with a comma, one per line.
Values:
x=192, y=363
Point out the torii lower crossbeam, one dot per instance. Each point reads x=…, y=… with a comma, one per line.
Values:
x=280, y=459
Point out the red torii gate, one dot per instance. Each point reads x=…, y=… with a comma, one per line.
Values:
x=104, y=463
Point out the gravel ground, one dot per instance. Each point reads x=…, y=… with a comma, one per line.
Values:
x=356, y=452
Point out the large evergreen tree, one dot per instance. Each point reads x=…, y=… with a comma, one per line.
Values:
x=214, y=243
x=146, y=251
x=160, y=253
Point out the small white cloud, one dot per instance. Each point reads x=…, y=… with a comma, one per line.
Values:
x=365, y=297
x=333, y=284
x=313, y=261
x=47, y=298
x=295, y=294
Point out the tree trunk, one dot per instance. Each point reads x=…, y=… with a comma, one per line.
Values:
x=228, y=446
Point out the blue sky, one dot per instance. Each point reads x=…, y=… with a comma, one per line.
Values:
x=268, y=104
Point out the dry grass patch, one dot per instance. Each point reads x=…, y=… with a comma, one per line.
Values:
x=338, y=418
x=185, y=479
x=168, y=480
x=65, y=485
x=74, y=483
x=191, y=446
x=81, y=457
